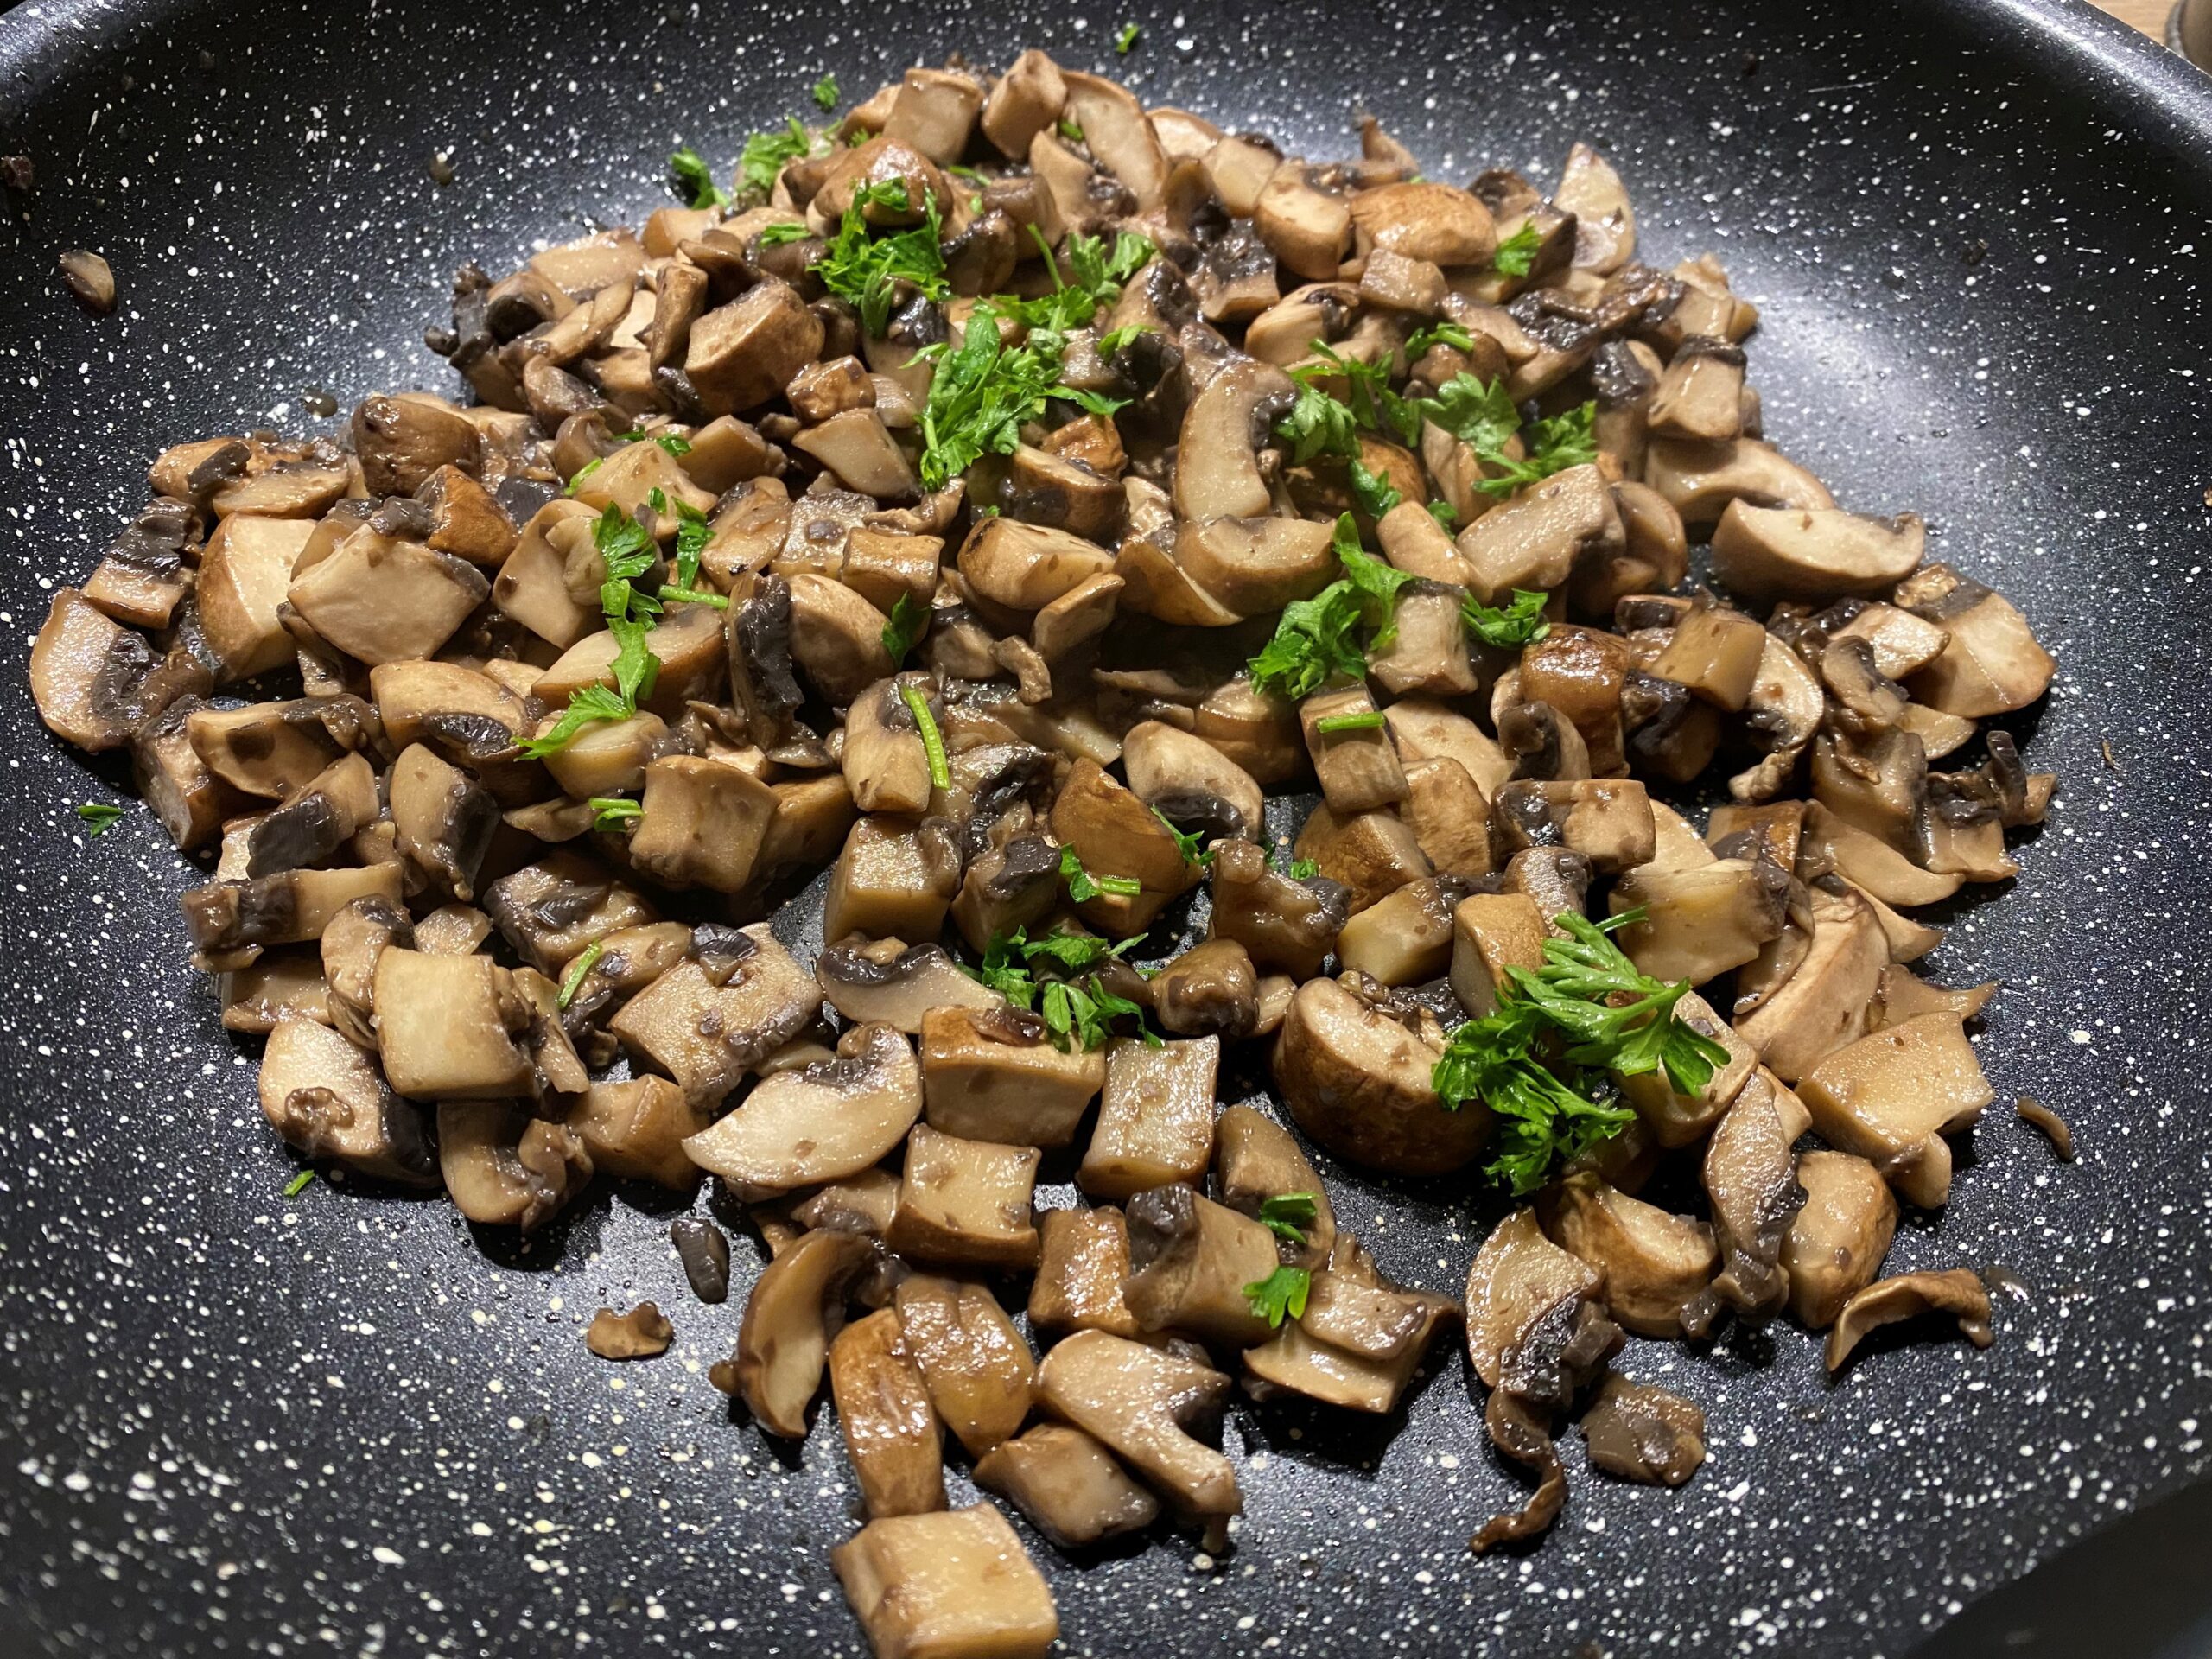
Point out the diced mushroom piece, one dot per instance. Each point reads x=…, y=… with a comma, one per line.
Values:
x=966, y=1203
x=1212, y=990
x=1217, y=470
x=858, y=448
x=1309, y=228
x=884, y=763
x=1907, y=1296
x=1675, y=1119
x=1700, y=395
x=1869, y=862
x=1701, y=480
x=244, y=571
x=702, y=823
x=1191, y=1260
x=1182, y=775
x=1067, y=1486
x=505, y=1168
x=1357, y=1080
x=1024, y=101
x=1700, y=922
x=1825, y=1002
x=979, y=1372
x=1892, y=1096
x=380, y=599
x=1835, y=1244
x=798, y=1304
x=688, y=642
x=1438, y=222
x=1352, y=753
x=1608, y=821
x=1015, y=886
x=274, y=750
x=1082, y=1263
x=1905, y=995
x=403, y=440
x=1140, y=1402
x=1449, y=817
x=707, y=1029
x=315, y=822
x=324, y=1098
x=1368, y=856
x=952, y=1585
x=900, y=985
x=1283, y=923
x=743, y=354
x=1356, y=1346
x=890, y=1434
x=822, y=1122
x=1644, y=1434
x=1491, y=933
x=1536, y=539
x=1752, y=1181
x=1155, y=1118
x=1405, y=938
x=1256, y=1159
x=1813, y=553
x=1784, y=711
x=1653, y=1262
x=992, y=1074
x=550, y=911
x=1254, y=564
x=292, y=908
x=446, y=1026
x=279, y=985
x=1993, y=663
x=1590, y=189
x=1715, y=652
x=1114, y=833
x=891, y=881
x=642, y=1333
x=1118, y=132
x=635, y=1131
x=445, y=820
x=1025, y=567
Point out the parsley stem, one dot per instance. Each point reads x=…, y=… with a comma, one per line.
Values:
x=572, y=981
x=932, y=739
x=1125, y=887
x=1360, y=722
x=693, y=596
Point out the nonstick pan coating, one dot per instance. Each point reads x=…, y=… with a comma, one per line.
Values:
x=235, y=1423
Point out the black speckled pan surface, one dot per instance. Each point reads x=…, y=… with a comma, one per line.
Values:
x=232, y=1423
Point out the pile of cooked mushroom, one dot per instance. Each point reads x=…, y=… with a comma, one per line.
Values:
x=508, y=725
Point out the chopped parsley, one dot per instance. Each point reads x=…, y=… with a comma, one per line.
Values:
x=1280, y=1295
x=1099, y=273
x=1074, y=1014
x=1375, y=494
x=670, y=594
x=1554, y=445
x=918, y=704
x=612, y=811
x=1126, y=38
x=980, y=394
x=100, y=818
x=910, y=619
x=1444, y=512
x=867, y=269
x=1511, y=626
x=693, y=532
x=1590, y=1004
x=1069, y=132
x=1289, y=1215
x=1186, y=841
x=298, y=1184
x=767, y=154
x=776, y=235
x=1117, y=340
x=825, y=93
x=1083, y=885
x=693, y=179
x=1517, y=253
x=674, y=442
x=1366, y=721
x=628, y=550
x=1441, y=334
x=577, y=482
x=1483, y=416
x=1304, y=869
x=1480, y=414
x=572, y=981
x=1318, y=638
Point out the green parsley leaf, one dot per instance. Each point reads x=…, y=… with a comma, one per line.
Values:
x=674, y=442
x=586, y=705
x=1186, y=841
x=981, y=395
x=1442, y=333
x=1069, y=132
x=583, y=472
x=693, y=179
x=1517, y=253
x=1318, y=425
x=1126, y=38
x=867, y=269
x=1119, y=339
x=1365, y=721
x=918, y=704
x=1444, y=512
x=825, y=93
x=775, y=236
x=1377, y=583
x=100, y=818
x=1304, y=869
x=671, y=594
x=298, y=1184
x=910, y=620
x=1083, y=1014
x=767, y=154
x=1003, y=972
x=1073, y=952
x=1082, y=885
x=1514, y=625
x=1289, y=1215
x=572, y=981
x=625, y=544
x=1280, y=1295
x=1480, y=415
x=1375, y=493
x=693, y=532
x=613, y=810
x=1317, y=639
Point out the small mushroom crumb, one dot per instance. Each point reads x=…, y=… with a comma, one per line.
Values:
x=703, y=1249
x=1646, y=1433
x=440, y=168
x=642, y=1333
x=89, y=279
x=2032, y=1110
x=17, y=174
x=2112, y=764
x=316, y=401
x=1907, y=1296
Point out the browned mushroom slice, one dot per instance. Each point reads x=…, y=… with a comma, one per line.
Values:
x=899, y=985
x=1256, y=1159
x=505, y=1168
x=1521, y=1432
x=1217, y=471
x=1024, y=101
x=1025, y=567
x=1368, y=856
x=1492, y=932
x=1782, y=715
x=1907, y=1296
x=531, y=586
x=1352, y=753
x=1813, y=553
x=1406, y=937
x=446, y=1026
x=1835, y=1244
x=1191, y=1259
x=1082, y=1263
x=1608, y=821
x=1142, y=1403
x=1592, y=191
x=403, y=440
x=444, y=819
x=1067, y=1486
x=1644, y=1434
x=1155, y=1119
x=98, y=684
x=702, y=823
x=244, y=571
x=965, y=1203
x=956, y=1582
x=1535, y=539
x=979, y=1372
x=1892, y=1096
x=1752, y=1183
x=797, y=1305
x=550, y=911
x=884, y=760
x=324, y=1098
x=1653, y=1262
x=380, y=599
x=892, y=880
x=1211, y=989
x=706, y=1023
x=688, y=642
x=279, y=985
x=1700, y=395
x=891, y=1434
x=1281, y=923
x=1179, y=774
x=642, y=1333
x=743, y=354
x=292, y=908
x=822, y=1123
x=1993, y=665
x=1357, y=1080
x=992, y=1074
x=635, y=1131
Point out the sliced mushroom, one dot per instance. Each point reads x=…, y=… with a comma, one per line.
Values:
x=1116, y=131
x=1608, y=821
x=1309, y=228
x=1604, y=234
x=1906, y=1296
x=1700, y=481
x=707, y=1022
x=1812, y=553
x=97, y=684
x=1067, y=1486
x=642, y=1333
x=992, y=1074
x=979, y=1371
x=293, y=908
x=1752, y=1181
x=1438, y=222
x=1218, y=473
x=1700, y=922
x=1140, y=1402
x=1536, y=539
x=324, y=1098
x=1368, y=856
x=1082, y=1263
x=899, y=986
x=954, y=1582
x=1824, y=1003
x=822, y=1122
x=1993, y=663
x=1190, y=1261
x=1405, y=938
x=1211, y=989
x=1892, y=1096
x=1357, y=1081
x=1281, y=923
x=891, y=1433
x=380, y=599
x=797, y=1306
x=504, y=1168
x=1024, y=101
x=1155, y=1117
x=1835, y=1244
x=1653, y=1263
x=743, y=354
x=1644, y=1434
x=635, y=1131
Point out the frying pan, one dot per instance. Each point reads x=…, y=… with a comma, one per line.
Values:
x=235, y=1422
